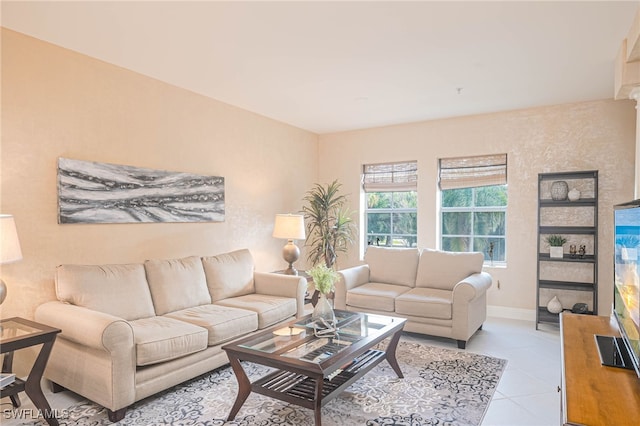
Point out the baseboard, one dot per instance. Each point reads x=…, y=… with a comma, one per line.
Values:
x=511, y=313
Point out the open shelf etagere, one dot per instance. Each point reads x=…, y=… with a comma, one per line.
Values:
x=576, y=232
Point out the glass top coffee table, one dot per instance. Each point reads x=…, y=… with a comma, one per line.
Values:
x=311, y=370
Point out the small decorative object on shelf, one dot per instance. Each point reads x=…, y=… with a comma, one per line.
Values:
x=582, y=251
x=580, y=308
x=559, y=190
x=554, y=306
x=574, y=195
x=555, y=245
x=572, y=251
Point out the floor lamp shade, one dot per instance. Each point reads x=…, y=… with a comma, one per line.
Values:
x=290, y=227
x=9, y=246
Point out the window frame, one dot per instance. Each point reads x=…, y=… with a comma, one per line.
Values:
x=390, y=210
x=473, y=210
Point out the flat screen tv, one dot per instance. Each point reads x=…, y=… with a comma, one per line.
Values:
x=625, y=351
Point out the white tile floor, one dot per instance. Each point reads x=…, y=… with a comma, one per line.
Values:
x=527, y=393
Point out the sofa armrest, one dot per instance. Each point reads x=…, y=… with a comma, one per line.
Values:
x=282, y=285
x=87, y=327
x=94, y=355
x=472, y=287
x=349, y=278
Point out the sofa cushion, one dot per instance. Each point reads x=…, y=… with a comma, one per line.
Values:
x=118, y=290
x=392, y=265
x=270, y=309
x=160, y=339
x=221, y=322
x=375, y=296
x=426, y=302
x=177, y=284
x=229, y=274
x=444, y=269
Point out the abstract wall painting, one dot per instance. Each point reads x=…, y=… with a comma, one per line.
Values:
x=90, y=192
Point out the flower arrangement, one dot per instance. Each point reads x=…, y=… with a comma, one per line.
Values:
x=323, y=278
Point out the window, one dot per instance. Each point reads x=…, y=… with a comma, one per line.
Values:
x=391, y=214
x=474, y=205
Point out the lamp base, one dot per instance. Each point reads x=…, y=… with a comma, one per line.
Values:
x=3, y=291
x=291, y=270
x=290, y=253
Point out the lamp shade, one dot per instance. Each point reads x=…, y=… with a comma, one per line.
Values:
x=9, y=244
x=289, y=227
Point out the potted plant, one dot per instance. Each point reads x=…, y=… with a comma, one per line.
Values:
x=555, y=245
x=330, y=229
x=324, y=279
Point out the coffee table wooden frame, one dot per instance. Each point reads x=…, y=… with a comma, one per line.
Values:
x=309, y=384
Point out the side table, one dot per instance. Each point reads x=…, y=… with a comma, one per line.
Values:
x=18, y=333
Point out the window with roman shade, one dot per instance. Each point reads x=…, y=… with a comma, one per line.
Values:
x=390, y=177
x=391, y=214
x=471, y=172
x=473, y=205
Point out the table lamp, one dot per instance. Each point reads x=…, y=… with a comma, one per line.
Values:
x=9, y=247
x=289, y=227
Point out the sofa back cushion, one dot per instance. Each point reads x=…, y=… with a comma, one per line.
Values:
x=445, y=269
x=118, y=290
x=177, y=284
x=392, y=265
x=229, y=274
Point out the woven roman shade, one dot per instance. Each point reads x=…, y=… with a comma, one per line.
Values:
x=470, y=172
x=387, y=177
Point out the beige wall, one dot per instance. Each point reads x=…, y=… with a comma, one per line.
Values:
x=57, y=103
x=596, y=135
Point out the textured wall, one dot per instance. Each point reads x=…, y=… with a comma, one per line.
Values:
x=597, y=135
x=57, y=103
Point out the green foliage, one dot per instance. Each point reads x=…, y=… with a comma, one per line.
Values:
x=466, y=227
x=389, y=227
x=555, y=240
x=330, y=229
x=324, y=278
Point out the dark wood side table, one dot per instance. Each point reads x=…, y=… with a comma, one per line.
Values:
x=19, y=333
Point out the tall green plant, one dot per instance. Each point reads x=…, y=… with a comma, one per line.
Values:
x=330, y=229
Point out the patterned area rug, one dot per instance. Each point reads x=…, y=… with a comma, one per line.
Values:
x=441, y=387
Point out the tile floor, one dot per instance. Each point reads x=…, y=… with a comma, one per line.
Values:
x=526, y=395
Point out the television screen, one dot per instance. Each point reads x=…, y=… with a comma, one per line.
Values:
x=626, y=289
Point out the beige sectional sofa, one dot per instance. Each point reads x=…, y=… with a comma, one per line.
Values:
x=130, y=331
x=440, y=293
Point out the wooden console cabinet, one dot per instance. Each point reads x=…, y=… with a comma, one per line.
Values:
x=593, y=394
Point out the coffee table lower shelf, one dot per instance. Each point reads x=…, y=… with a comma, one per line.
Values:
x=301, y=390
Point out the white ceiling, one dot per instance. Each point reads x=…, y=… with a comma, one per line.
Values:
x=334, y=66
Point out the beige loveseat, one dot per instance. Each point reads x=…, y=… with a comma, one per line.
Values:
x=130, y=331
x=440, y=293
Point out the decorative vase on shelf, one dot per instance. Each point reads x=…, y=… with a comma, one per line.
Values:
x=323, y=314
x=559, y=190
x=554, y=306
x=574, y=195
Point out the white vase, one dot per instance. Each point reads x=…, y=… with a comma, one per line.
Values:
x=324, y=311
x=554, y=306
x=574, y=195
x=556, y=252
